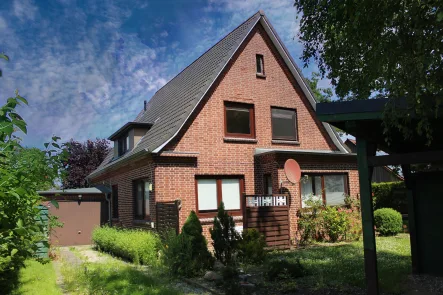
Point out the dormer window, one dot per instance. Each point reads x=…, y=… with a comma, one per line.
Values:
x=260, y=65
x=123, y=145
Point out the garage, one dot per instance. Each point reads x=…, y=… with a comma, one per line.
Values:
x=80, y=211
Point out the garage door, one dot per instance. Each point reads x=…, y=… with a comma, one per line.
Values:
x=79, y=219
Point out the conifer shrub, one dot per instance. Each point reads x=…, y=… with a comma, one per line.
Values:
x=388, y=222
x=224, y=236
x=251, y=247
x=187, y=254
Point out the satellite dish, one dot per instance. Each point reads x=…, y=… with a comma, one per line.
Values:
x=292, y=171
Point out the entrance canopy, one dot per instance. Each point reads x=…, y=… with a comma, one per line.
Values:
x=364, y=120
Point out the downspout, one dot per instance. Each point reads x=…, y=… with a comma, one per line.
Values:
x=109, y=208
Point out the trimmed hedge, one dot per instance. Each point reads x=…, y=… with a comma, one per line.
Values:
x=388, y=222
x=138, y=246
x=384, y=196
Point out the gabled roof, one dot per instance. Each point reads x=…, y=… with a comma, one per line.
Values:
x=174, y=103
x=128, y=126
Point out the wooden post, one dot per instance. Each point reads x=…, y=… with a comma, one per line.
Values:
x=411, y=217
x=364, y=149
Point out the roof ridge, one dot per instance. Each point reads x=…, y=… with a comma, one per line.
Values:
x=201, y=55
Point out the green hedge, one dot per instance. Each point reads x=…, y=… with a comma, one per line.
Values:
x=138, y=246
x=389, y=195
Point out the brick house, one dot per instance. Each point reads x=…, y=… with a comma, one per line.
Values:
x=224, y=127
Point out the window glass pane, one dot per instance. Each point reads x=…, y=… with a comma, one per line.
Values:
x=259, y=60
x=284, y=124
x=127, y=143
x=237, y=120
x=317, y=184
x=207, y=194
x=269, y=184
x=306, y=190
x=335, y=189
x=146, y=195
x=139, y=200
x=231, y=193
x=114, y=202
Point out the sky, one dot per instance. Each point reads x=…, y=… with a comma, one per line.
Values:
x=86, y=66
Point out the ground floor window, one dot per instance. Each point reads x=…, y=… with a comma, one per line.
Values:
x=211, y=191
x=141, y=202
x=268, y=184
x=330, y=188
x=114, y=201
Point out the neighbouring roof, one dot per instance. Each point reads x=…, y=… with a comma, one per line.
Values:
x=127, y=126
x=174, y=103
x=78, y=191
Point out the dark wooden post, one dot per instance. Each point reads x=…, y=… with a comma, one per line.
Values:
x=411, y=217
x=364, y=149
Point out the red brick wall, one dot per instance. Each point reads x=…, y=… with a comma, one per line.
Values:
x=204, y=134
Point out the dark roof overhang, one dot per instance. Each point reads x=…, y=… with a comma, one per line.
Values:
x=127, y=127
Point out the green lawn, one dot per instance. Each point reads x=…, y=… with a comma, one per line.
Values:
x=37, y=279
x=113, y=276
x=343, y=264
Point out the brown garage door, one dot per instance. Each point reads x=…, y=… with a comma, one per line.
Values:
x=79, y=219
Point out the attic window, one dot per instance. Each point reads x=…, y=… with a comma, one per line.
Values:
x=260, y=65
x=123, y=144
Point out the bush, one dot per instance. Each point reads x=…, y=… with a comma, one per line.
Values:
x=385, y=196
x=309, y=223
x=251, y=247
x=138, y=246
x=388, y=222
x=282, y=269
x=335, y=223
x=224, y=236
x=187, y=254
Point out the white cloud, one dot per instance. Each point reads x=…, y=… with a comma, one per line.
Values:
x=164, y=34
x=3, y=24
x=25, y=10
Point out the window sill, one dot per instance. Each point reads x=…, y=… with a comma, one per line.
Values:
x=210, y=220
x=262, y=76
x=240, y=139
x=293, y=142
x=146, y=222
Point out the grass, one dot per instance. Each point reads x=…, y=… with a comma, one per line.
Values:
x=113, y=276
x=342, y=265
x=37, y=279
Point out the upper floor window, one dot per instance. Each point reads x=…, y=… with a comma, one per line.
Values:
x=284, y=124
x=211, y=191
x=239, y=120
x=123, y=144
x=141, y=204
x=260, y=64
x=330, y=188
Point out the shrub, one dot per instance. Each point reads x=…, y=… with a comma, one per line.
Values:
x=231, y=284
x=335, y=223
x=385, y=196
x=187, y=254
x=282, y=269
x=251, y=247
x=388, y=222
x=309, y=225
x=224, y=236
x=138, y=246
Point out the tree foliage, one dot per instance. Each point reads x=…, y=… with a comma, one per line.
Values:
x=388, y=48
x=19, y=214
x=84, y=157
x=321, y=94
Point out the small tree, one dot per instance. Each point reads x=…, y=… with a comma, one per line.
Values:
x=83, y=159
x=224, y=236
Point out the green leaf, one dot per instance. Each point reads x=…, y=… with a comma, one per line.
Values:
x=13, y=251
x=55, y=203
x=22, y=99
x=20, y=223
x=20, y=231
x=4, y=56
x=46, y=144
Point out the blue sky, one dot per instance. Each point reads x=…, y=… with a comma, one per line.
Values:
x=86, y=66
